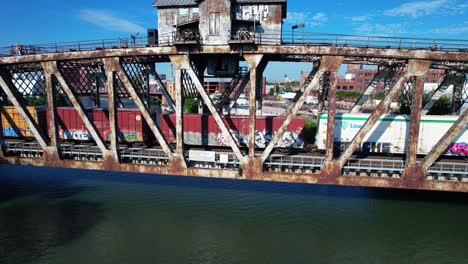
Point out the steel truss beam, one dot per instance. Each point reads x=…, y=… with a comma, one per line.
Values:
x=257, y=64
x=333, y=168
x=410, y=174
x=113, y=64
x=71, y=94
x=239, y=91
x=112, y=108
x=183, y=62
x=179, y=105
x=51, y=113
x=451, y=78
x=163, y=89
x=14, y=97
x=327, y=64
x=381, y=74
x=454, y=131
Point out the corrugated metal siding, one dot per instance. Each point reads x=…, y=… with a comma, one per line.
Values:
x=168, y=3
x=203, y=130
x=14, y=125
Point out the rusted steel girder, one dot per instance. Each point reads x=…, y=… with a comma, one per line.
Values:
x=115, y=64
x=308, y=178
x=257, y=64
x=112, y=108
x=412, y=147
x=451, y=78
x=53, y=151
x=179, y=106
x=185, y=64
x=306, y=50
x=331, y=82
x=13, y=96
x=327, y=50
x=328, y=63
x=415, y=67
x=163, y=89
x=239, y=91
x=413, y=174
x=444, y=142
x=52, y=68
x=382, y=73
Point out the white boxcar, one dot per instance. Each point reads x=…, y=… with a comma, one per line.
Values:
x=390, y=133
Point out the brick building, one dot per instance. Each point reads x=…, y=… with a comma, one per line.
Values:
x=357, y=79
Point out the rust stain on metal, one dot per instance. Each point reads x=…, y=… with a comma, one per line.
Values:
x=256, y=70
x=412, y=148
x=252, y=168
x=333, y=79
x=379, y=182
x=52, y=152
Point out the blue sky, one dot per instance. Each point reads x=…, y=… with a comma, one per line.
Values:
x=51, y=21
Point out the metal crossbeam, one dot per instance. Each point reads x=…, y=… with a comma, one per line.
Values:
x=13, y=96
x=139, y=102
x=445, y=140
x=328, y=63
x=207, y=100
x=71, y=94
x=414, y=66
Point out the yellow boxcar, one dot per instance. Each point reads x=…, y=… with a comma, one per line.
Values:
x=15, y=126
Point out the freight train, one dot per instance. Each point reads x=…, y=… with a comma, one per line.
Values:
x=390, y=134
x=199, y=130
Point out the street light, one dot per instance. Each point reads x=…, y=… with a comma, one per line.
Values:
x=294, y=27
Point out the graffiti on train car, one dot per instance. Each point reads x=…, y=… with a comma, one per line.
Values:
x=263, y=138
x=16, y=132
x=76, y=135
x=460, y=149
x=127, y=136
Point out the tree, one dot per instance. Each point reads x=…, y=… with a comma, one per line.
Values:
x=190, y=105
x=443, y=106
x=288, y=89
x=271, y=92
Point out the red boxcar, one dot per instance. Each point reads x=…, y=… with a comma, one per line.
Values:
x=202, y=130
x=131, y=127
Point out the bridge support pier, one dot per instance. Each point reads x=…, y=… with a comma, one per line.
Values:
x=51, y=153
x=413, y=173
x=178, y=159
x=113, y=155
x=329, y=170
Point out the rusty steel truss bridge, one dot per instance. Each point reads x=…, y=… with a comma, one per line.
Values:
x=123, y=66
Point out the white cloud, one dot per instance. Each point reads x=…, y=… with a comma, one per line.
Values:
x=453, y=30
x=319, y=19
x=110, y=21
x=359, y=18
x=423, y=8
x=376, y=29
x=307, y=18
